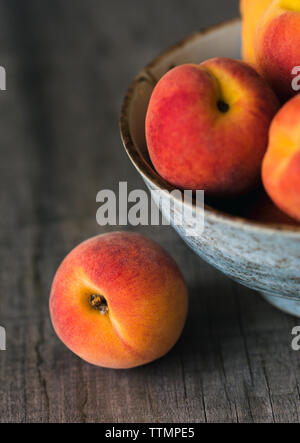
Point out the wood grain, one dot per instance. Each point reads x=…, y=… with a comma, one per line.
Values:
x=68, y=67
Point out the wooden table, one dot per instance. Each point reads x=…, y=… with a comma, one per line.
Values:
x=68, y=65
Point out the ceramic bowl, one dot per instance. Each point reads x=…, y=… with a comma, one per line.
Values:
x=264, y=256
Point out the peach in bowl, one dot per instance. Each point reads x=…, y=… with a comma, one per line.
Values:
x=248, y=239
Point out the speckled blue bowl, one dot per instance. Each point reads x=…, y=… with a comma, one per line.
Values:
x=262, y=256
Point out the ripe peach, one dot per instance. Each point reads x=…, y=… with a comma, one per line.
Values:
x=118, y=300
x=278, y=45
x=281, y=165
x=207, y=126
x=251, y=11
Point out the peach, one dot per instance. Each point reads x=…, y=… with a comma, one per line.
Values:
x=281, y=165
x=207, y=126
x=251, y=11
x=277, y=46
x=118, y=300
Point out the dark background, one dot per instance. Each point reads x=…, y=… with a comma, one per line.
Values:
x=68, y=64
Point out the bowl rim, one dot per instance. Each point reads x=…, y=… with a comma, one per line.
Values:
x=146, y=170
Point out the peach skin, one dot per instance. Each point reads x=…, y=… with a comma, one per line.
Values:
x=277, y=46
x=251, y=11
x=118, y=300
x=281, y=165
x=207, y=126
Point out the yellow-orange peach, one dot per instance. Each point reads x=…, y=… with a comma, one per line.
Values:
x=277, y=46
x=207, y=126
x=281, y=165
x=251, y=11
x=118, y=300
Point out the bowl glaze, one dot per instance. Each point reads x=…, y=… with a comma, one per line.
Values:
x=261, y=256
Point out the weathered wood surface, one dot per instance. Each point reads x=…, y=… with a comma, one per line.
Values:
x=68, y=66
